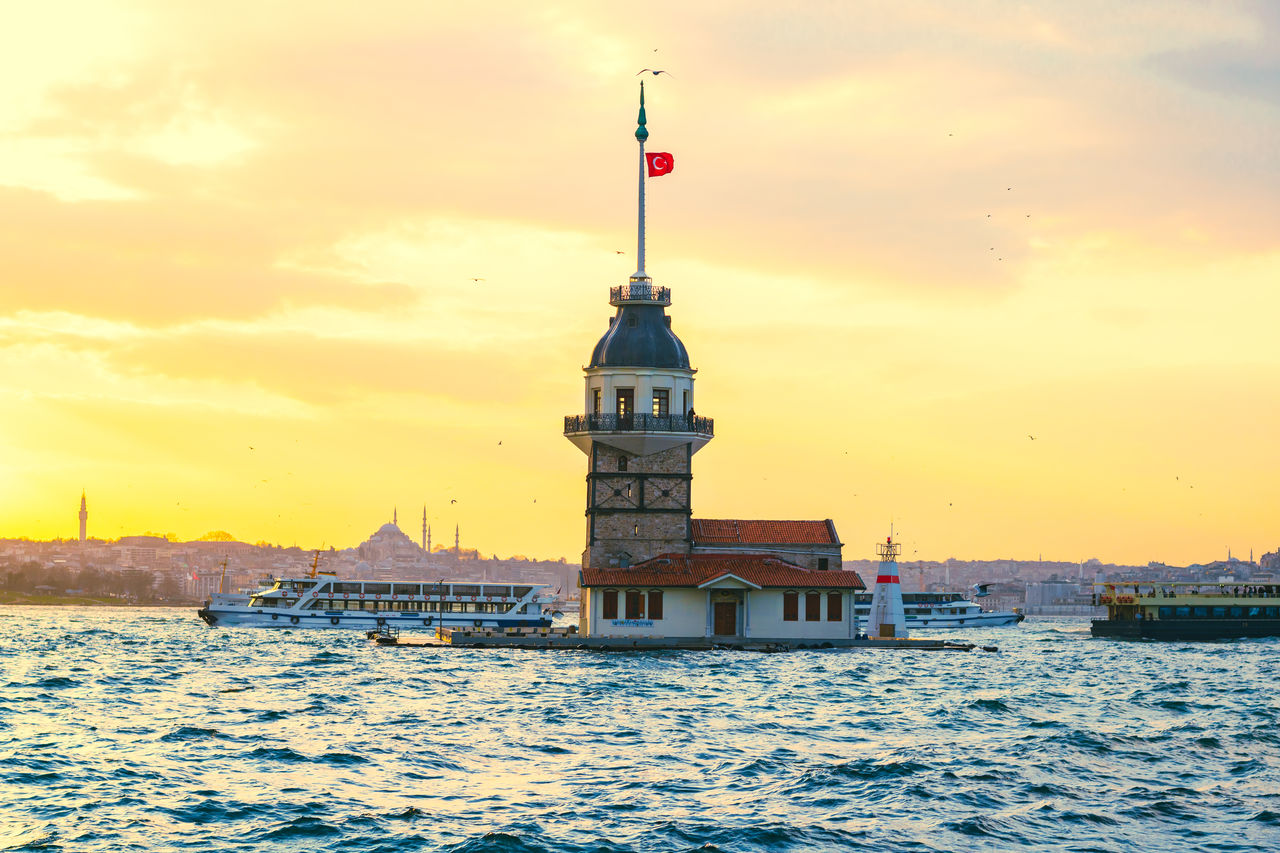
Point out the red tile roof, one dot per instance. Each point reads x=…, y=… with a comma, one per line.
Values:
x=697, y=569
x=763, y=532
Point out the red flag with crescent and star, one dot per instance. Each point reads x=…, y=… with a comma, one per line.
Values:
x=659, y=163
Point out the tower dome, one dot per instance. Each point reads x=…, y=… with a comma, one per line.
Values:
x=640, y=336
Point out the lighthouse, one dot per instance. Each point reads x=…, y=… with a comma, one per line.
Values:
x=638, y=428
x=887, y=618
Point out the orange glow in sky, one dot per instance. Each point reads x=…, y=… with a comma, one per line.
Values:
x=239, y=244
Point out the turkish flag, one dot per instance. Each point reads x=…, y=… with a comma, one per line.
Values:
x=659, y=164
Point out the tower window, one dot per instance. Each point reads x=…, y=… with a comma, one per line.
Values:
x=661, y=402
x=595, y=401
x=626, y=401
x=822, y=564
x=631, y=322
x=622, y=463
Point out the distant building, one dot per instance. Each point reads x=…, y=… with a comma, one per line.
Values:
x=84, y=518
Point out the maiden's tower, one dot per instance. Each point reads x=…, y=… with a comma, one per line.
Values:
x=649, y=568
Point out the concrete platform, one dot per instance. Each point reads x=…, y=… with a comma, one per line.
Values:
x=568, y=638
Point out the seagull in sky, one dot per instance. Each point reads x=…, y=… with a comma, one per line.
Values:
x=618, y=252
x=453, y=501
x=1030, y=436
x=651, y=71
x=477, y=279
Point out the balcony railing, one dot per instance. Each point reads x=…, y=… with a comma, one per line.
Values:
x=645, y=293
x=639, y=423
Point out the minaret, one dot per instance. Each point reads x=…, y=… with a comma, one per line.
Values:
x=428, y=538
x=84, y=518
x=638, y=428
x=887, y=618
x=426, y=531
x=394, y=523
x=457, y=539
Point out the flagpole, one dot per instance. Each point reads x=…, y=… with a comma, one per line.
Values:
x=641, y=135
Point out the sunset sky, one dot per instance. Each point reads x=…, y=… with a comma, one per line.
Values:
x=902, y=238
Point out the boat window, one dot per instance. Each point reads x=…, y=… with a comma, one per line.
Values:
x=466, y=589
x=1237, y=611
x=407, y=589
x=346, y=587
x=609, y=604
x=1182, y=611
x=655, y=604
x=1165, y=611
x=1255, y=611
x=377, y=589
x=497, y=590
x=812, y=606
x=522, y=591
x=1270, y=612
x=790, y=606
x=1219, y=612
x=835, y=611
x=1200, y=612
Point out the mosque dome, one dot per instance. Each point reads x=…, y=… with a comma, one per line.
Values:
x=640, y=336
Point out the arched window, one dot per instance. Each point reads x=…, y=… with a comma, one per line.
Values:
x=635, y=604
x=812, y=606
x=790, y=606
x=655, y=604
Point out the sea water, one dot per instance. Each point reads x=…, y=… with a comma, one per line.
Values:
x=143, y=729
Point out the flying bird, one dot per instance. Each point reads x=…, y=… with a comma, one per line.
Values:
x=1030, y=436
x=618, y=252
x=453, y=501
x=477, y=279
x=651, y=71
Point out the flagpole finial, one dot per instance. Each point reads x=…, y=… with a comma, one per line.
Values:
x=641, y=132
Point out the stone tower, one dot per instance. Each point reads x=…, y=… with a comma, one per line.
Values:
x=638, y=427
x=84, y=518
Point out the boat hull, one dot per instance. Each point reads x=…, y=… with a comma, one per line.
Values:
x=231, y=617
x=1185, y=629
x=984, y=619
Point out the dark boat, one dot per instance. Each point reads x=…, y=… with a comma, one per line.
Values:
x=1187, y=611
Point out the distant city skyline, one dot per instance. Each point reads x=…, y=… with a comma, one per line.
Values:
x=1003, y=280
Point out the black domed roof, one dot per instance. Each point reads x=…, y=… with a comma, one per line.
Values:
x=640, y=337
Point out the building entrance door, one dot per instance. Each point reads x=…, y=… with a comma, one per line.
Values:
x=725, y=618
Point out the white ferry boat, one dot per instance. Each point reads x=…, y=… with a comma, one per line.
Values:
x=929, y=610
x=323, y=601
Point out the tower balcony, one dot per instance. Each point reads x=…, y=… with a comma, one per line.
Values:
x=639, y=434
x=639, y=293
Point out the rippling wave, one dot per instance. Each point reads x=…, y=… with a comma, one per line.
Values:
x=145, y=730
